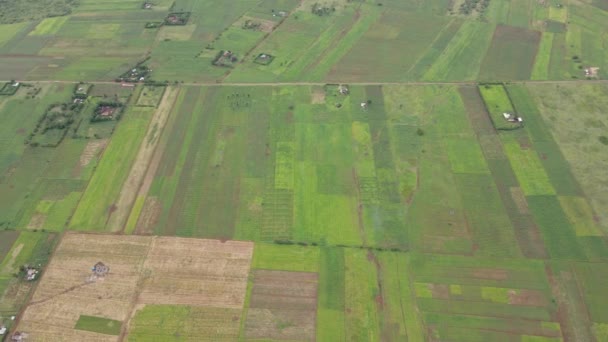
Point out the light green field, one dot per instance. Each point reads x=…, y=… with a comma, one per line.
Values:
x=49, y=26
x=529, y=170
x=98, y=324
x=107, y=181
x=8, y=31
x=543, y=57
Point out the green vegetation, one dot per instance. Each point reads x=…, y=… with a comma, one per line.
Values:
x=13, y=11
x=99, y=325
x=407, y=170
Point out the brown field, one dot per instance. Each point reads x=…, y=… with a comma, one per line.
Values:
x=283, y=306
x=143, y=270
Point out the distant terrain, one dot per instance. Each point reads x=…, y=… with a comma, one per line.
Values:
x=304, y=170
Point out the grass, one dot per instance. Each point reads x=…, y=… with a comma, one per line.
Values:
x=106, y=183
x=150, y=96
x=99, y=325
x=9, y=31
x=174, y=322
x=469, y=47
x=511, y=54
x=17, y=11
x=543, y=57
x=285, y=257
x=49, y=26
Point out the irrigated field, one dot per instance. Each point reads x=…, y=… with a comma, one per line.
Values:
x=276, y=170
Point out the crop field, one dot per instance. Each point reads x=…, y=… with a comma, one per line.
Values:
x=70, y=303
x=304, y=170
x=357, y=41
x=411, y=216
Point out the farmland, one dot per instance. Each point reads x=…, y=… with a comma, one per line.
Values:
x=306, y=170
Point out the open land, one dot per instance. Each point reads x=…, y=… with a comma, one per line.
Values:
x=304, y=170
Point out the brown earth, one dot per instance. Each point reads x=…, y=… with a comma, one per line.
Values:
x=283, y=306
x=143, y=269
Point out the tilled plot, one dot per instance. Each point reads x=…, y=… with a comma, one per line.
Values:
x=210, y=274
x=143, y=270
x=283, y=306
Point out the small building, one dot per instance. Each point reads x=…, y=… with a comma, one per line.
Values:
x=19, y=336
x=2, y=330
x=592, y=71
x=364, y=105
x=100, y=269
x=31, y=274
x=511, y=117
x=342, y=89
x=147, y=5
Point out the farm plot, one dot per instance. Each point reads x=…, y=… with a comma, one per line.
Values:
x=282, y=305
x=579, y=139
x=511, y=55
x=73, y=302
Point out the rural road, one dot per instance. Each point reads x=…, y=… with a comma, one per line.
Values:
x=279, y=84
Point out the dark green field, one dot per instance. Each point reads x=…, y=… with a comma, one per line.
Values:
x=360, y=147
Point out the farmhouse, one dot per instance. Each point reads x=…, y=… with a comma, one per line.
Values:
x=106, y=111
x=343, y=90
x=30, y=273
x=592, y=71
x=511, y=117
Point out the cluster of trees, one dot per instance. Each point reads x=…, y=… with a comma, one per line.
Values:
x=322, y=10
x=468, y=6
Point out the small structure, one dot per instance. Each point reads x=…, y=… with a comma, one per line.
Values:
x=592, y=71
x=100, y=269
x=19, y=336
x=343, y=89
x=511, y=117
x=364, y=105
x=147, y=5
x=2, y=330
x=31, y=273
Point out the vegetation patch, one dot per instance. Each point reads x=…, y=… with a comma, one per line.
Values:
x=14, y=11
x=107, y=111
x=264, y=59
x=99, y=325
x=322, y=9
x=54, y=124
x=153, y=24
x=139, y=73
x=150, y=96
x=81, y=91
x=225, y=58
x=177, y=18
x=10, y=88
x=499, y=106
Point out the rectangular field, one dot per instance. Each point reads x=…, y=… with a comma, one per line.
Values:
x=141, y=270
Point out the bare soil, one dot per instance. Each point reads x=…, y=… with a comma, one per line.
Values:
x=283, y=306
x=160, y=270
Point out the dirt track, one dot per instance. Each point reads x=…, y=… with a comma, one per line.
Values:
x=131, y=186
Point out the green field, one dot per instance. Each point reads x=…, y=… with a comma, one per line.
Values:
x=98, y=324
x=370, y=153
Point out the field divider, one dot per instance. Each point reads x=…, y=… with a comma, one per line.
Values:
x=142, y=163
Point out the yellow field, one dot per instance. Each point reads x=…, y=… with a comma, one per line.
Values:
x=143, y=270
x=49, y=26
